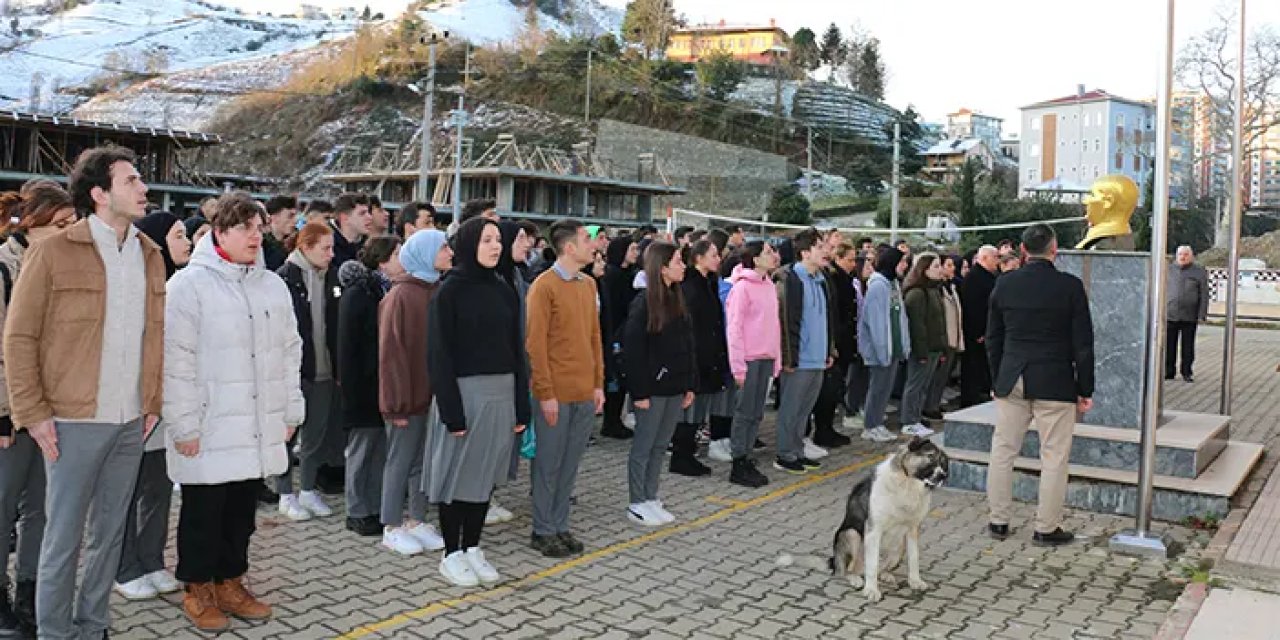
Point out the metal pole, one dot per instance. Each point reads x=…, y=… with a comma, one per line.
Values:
x=1141, y=540
x=808, y=176
x=428, y=115
x=587, y=109
x=1237, y=211
x=460, y=118
x=897, y=162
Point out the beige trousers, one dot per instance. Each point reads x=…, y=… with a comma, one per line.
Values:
x=1055, y=421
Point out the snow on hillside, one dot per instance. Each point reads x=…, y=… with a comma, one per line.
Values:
x=51, y=53
x=496, y=21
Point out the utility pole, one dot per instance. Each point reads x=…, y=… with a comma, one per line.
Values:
x=586, y=110
x=808, y=176
x=777, y=51
x=428, y=116
x=459, y=120
x=1237, y=210
x=897, y=162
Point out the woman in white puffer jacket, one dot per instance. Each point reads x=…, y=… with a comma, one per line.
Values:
x=232, y=398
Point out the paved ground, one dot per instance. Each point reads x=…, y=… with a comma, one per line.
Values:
x=1239, y=614
x=712, y=574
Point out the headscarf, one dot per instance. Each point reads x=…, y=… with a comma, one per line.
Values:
x=616, y=252
x=157, y=226
x=193, y=225
x=466, y=243
x=418, y=254
x=507, y=264
x=887, y=262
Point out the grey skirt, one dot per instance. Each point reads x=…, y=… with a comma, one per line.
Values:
x=467, y=468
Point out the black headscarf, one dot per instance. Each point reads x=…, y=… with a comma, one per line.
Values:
x=156, y=226
x=616, y=252
x=507, y=267
x=193, y=225
x=887, y=262
x=465, y=244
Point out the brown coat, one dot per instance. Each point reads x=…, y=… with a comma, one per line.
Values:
x=404, y=386
x=53, y=332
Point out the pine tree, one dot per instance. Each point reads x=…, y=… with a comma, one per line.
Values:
x=649, y=23
x=832, y=51
x=869, y=76
x=804, y=50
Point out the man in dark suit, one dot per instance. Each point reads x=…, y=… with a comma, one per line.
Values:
x=1040, y=345
x=975, y=298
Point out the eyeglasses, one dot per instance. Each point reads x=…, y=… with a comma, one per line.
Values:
x=63, y=223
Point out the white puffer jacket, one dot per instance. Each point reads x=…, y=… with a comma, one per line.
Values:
x=232, y=363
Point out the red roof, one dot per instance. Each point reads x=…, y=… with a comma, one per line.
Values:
x=1096, y=95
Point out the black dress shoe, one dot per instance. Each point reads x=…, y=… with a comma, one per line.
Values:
x=1055, y=539
x=549, y=546
x=932, y=415
x=758, y=444
x=617, y=432
x=571, y=543
x=998, y=531
x=830, y=439
x=367, y=526
x=1189, y=378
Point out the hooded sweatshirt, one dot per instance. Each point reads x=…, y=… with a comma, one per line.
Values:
x=156, y=226
x=314, y=280
x=883, y=333
x=404, y=383
x=752, y=324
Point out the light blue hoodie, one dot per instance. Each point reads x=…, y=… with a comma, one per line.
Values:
x=874, y=326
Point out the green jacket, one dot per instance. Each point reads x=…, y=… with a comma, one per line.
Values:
x=928, y=319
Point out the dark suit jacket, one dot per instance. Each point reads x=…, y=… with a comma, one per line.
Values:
x=1039, y=329
x=975, y=298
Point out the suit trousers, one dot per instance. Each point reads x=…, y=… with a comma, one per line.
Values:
x=1055, y=422
x=975, y=375
x=1184, y=334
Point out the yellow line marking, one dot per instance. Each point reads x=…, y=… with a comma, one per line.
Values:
x=728, y=502
x=489, y=594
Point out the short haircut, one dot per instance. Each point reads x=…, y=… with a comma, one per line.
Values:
x=749, y=252
x=719, y=238
x=347, y=202
x=474, y=208
x=530, y=229
x=1037, y=238
x=93, y=169
x=562, y=232
x=377, y=251
x=311, y=233
x=805, y=240
x=863, y=241
x=409, y=214
x=374, y=201
x=234, y=209
x=844, y=249
x=682, y=232
x=279, y=203
x=319, y=206
x=732, y=229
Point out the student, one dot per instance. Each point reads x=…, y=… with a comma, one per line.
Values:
x=477, y=370
x=415, y=217
x=228, y=422
x=845, y=296
x=884, y=339
x=364, y=283
x=661, y=365
x=621, y=257
x=516, y=242
x=141, y=574
x=351, y=224
x=566, y=356
x=87, y=388
x=926, y=311
x=955, y=338
x=379, y=218
x=282, y=212
x=405, y=390
x=755, y=356
x=701, y=293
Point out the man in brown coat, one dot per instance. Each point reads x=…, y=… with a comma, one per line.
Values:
x=85, y=376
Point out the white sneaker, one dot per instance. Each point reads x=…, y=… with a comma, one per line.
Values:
x=137, y=589
x=291, y=509
x=852, y=423
x=720, y=450
x=813, y=451
x=629, y=420
x=878, y=434
x=313, y=503
x=163, y=581
x=497, y=514
x=917, y=430
x=642, y=514
x=664, y=516
x=481, y=567
x=455, y=568
x=401, y=541
x=426, y=535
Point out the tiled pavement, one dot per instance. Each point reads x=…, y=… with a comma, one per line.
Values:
x=712, y=574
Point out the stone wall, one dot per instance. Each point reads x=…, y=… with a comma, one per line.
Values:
x=721, y=178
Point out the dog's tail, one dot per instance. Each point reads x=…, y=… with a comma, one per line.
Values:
x=817, y=563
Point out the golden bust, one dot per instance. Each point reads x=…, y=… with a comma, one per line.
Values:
x=1108, y=207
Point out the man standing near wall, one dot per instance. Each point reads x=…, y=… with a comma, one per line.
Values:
x=1188, y=305
x=975, y=295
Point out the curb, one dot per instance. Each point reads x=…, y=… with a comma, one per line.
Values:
x=1178, y=621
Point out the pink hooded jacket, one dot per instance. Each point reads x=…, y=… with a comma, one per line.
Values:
x=751, y=321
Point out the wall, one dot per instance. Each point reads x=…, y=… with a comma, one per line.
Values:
x=721, y=178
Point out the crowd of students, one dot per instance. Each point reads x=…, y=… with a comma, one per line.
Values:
x=412, y=369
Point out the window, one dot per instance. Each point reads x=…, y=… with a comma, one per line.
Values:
x=1097, y=171
x=1119, y=161
x=1120, y=120
x=1031, y=175
x=1035, y=124
x=1035, y=150
x=1097, y=144
x=1137, y=163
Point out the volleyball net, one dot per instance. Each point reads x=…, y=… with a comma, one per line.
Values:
x=940, y=228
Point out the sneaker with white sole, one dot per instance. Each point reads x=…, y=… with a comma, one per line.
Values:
x=481, y=567
x=314, y=504
x=399, y=540
x=497, y=514
x=641, y=514
x=137, y=589
x=163, y=581
x=455, y=568
x=852, y=423
x=720, y=450
x=813, y=451
x=656, y=508
x=917, y=430
x=291, y=509
x=426, y=535
x=878, y=434
x=629, y=420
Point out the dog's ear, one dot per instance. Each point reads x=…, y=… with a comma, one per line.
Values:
x=917, y=443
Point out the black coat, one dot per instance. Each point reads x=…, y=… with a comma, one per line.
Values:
x=292, y=275
x=357, y=363
x=975, y=298
x=617, y=294
x=846, y=314
x=791, y=308
x=702, y=299
x=344, y=250
x=658, y=364
x=1039, y=329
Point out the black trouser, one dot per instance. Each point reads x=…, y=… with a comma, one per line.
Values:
x=832, y=393
x=214, y=527
x=1184, y=332
x=975, y=374
x=614, y=405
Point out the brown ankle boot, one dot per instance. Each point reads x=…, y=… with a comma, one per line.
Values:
x=200, y=605
x=235, y=600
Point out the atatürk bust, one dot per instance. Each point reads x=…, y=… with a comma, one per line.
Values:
x=1108, y=207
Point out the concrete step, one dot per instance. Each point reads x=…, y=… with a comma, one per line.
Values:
x=1186, y=443
x=1106, y=490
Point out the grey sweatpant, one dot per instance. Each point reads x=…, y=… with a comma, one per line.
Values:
x=555, y=465
x=21, y=499
x=916, y=393
x=402, y=475
x=750, y=410
x=800, y=391
x=90, y=486
x=321, y=426
x=146, y=527
x=366, y=456
x=879, y=387
x=654, y=427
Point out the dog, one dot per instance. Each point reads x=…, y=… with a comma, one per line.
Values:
x=885, y=509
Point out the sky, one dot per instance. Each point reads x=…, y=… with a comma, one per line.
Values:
x=992, y=56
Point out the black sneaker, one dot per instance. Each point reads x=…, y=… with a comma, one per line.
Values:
x=998, y=531
x=1055, y=539
x=267, y=496
x=368, y=526
x=331, y=481
x=794, y=467
x=746, y=474
x=9, y=625
x=1188, y=378
x=687, y=465
x=549, y=546
x=830, y=440
x=758, y=444
x=809, y=465
x=571, y=543
x=932, y=415
x=617, y=432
